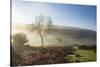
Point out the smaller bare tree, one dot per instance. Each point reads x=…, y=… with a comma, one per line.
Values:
x=43, y=26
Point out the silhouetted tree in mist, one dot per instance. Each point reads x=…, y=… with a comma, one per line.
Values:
x=43, y=26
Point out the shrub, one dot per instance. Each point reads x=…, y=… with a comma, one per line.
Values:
x=70, y=58
x=75, y=48
x=20, y=38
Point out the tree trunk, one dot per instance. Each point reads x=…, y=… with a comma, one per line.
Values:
x=42, y=42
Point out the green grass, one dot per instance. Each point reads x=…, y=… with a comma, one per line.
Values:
x=70, y=58
x=81, y=55
x=86, y=55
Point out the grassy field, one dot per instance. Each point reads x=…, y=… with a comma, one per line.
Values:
x=81, y=55
x=86, y=55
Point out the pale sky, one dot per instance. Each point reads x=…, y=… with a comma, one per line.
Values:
x=83, y=16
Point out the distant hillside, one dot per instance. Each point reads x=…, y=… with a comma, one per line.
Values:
x=75, y=32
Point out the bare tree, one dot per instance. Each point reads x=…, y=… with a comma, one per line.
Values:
x=43, y=26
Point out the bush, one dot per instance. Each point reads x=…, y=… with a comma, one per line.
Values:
x=17, y=48
x=75, y=48
x=19, y=38
x=70, y=58
x=91, y=47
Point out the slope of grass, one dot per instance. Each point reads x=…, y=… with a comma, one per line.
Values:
x=86, y=55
